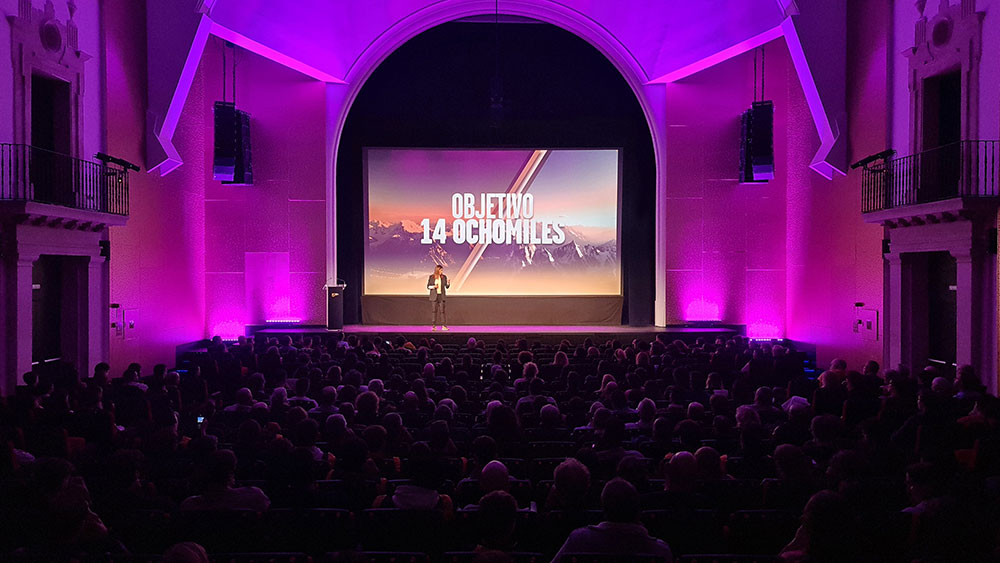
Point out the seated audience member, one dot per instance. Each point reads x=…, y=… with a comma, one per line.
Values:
x=497, y=522
x=63, y=507
x=327, y=403
x=923, y=484
x=571, y=481
x=827, y=532
x=829, y=397
x=244, y=402
x=422, y=493
x=142, y=449
x=620, y=534
x=610, y=448
x=493, y=477
x=647, y=416
x=185, y=552
x=635, y=470
x=763, y=403
x=301, y=398
x=709, y=465
x=219, y=492
x=278, y=403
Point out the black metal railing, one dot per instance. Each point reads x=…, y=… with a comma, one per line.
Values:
x=30, y=173
x=959, y=169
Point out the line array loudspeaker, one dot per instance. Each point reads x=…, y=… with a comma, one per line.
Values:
x=757, y=143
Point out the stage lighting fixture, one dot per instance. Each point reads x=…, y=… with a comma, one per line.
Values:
x=108, y=159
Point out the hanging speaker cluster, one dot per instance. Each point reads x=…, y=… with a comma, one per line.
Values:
x=231, y=163
x=757, y=143
x=231, y=152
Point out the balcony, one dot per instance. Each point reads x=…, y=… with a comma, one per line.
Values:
x=945, y=179
x=32, y=175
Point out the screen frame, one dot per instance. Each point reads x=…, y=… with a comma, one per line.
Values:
x=619, y=151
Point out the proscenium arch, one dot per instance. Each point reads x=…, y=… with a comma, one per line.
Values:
x=651, y=97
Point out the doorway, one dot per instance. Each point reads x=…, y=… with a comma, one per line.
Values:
x=58, y=311
x=942, y=129
x=51, y=134
x=942, y=310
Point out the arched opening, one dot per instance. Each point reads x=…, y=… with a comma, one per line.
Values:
x=560, y=92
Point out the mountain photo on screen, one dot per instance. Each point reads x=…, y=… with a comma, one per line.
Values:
x=501, y=222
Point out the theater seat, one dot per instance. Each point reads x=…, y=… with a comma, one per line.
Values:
x=314, y=530
x=390, y=557
x=762, y=532
x=392, y=529
x=731, y=494
x=551, y=449
x=727, y=558
x=267, y=557
x=556, y=526
x=143, y=531
x=609, y=558
x=468, y=492
x=540, y=469
x=686, y=531
x=473, y=556
x=468, y=531
x=222, y=531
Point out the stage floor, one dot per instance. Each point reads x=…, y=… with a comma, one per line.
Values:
x=534, y=329
x=541, y=333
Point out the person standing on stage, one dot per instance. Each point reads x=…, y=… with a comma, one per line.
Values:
x=438, y=284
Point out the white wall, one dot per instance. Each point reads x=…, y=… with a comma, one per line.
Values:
x=7, y=8
x=87, y=19
x=989, y=77
x=904, y=19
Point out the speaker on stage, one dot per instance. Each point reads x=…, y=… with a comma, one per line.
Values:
x=335, y=305
x=757, y=143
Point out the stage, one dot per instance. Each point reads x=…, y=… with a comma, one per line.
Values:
x=541, y=333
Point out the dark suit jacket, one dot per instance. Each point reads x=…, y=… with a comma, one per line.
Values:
x=444, y=287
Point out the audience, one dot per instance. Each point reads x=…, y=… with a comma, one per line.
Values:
x=620, y=534
x=897, y=464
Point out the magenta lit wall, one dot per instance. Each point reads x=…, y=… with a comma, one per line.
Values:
x=156, y=265
x=265, y=251
x=180, y=267
x=834, y=257
x=726, y=241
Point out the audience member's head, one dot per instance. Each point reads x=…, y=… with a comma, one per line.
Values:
x=620, y=501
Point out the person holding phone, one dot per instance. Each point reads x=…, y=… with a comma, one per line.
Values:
x=437, y=286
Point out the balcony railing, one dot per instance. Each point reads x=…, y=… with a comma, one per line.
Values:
x=30, y=173
x=960, y=169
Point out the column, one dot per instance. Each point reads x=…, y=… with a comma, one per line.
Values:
x=94, y=320
x=17, y=320
x=654, y=100
x=893, y=302
x=967, y=329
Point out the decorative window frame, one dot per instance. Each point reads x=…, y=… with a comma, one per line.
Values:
x=41, y=44
x=948, y=40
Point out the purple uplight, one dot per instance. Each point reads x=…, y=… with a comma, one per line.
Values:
x=763, y=330
x=701, y=310
x=228, y=330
